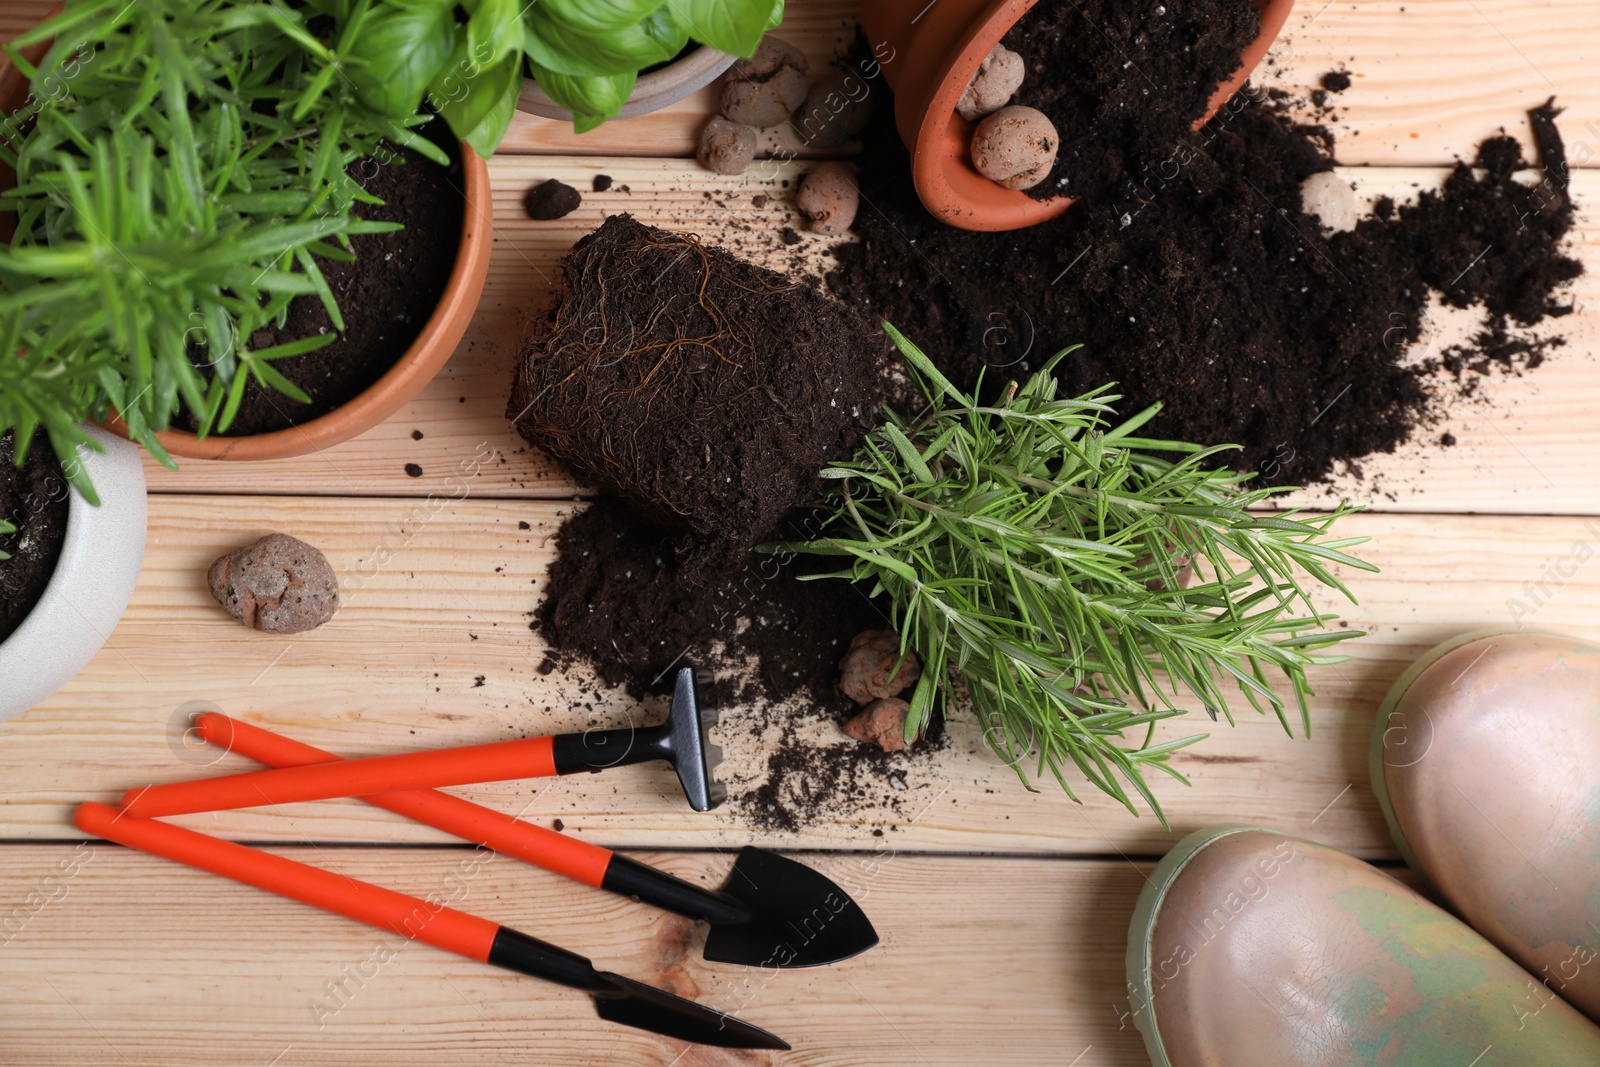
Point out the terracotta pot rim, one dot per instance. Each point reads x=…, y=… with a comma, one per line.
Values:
x=947, y=183
x=653, y=91
x=422, y=359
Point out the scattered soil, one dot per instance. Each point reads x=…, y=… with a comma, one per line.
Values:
x=386, y=296
x=553, y=199
x=1204, y=285
x=618, y=600
x=704, y=391
x=1124, y=83
x=601, y=183
x=34, y=499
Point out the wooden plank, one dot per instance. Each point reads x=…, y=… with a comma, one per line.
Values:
x=1521, y=447
x=431, y=648
x=135, y=960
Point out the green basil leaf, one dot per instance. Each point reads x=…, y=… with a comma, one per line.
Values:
x=727, y=25
x=494, y=30
x=556, y=48
x=400, y=50
x=477, y=97
x=591, y=99
x=595, y=17
x=486, y=136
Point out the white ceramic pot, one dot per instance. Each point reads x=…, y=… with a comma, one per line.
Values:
x=652, y=92
x=91, y=585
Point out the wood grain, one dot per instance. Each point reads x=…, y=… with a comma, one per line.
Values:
x=134, y=961
x=432, y=648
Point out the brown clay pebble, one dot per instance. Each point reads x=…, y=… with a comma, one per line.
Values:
x=828, y=197
x=551, y=200
x=765, y=89
x=1015, y=147
x=881, y=723
x=726, y=147
x=999, y=76
x=874, y=655
x=279, y=585
x=835, y=110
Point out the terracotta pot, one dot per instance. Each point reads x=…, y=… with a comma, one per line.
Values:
x=936, y=49
x=652, y=92
x=416, y=367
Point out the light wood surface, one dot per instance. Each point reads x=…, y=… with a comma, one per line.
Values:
x=1003, y=912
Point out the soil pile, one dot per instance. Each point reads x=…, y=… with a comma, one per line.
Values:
x=1124, y=83
x=705, y=392
x=33, y=498
x=1202, y=283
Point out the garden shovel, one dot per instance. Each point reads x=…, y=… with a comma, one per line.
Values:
x=682, y=741
x=618, y=999
x=772, y=912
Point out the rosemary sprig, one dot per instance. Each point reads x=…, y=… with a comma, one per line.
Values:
x=1032, y=548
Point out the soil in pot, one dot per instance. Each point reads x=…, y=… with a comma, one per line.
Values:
x=34, y=499
x=386, y=295
x=705, y=392
x=1124, y=83
x=1216, y=293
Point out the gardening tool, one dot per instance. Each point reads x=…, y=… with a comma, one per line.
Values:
x=772, y=911
x=681, y=741
x=617, y=999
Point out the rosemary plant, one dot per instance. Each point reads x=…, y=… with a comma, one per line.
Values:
x=1033, y=549
x=182, y=165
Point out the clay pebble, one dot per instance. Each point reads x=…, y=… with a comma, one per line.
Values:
x=551, y=199
x=1331, y=199
x=829, y=198
x=1015, y=147
x=867, y=667
x=997, y=80
x=835, y=110
x=765, y=89
x=726, y=147
x=881, y=723
x=278, y=585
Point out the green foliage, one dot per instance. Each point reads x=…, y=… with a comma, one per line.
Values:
x=585, y=54
x=6, y=528
x=1033, y=548
x=182, y=166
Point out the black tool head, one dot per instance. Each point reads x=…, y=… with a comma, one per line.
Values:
x=688, y=742
x=798, y=917
x=622, y=1000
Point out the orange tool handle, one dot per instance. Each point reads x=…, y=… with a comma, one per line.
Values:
x=531, y=757
x=442, y=927
x=504, y=833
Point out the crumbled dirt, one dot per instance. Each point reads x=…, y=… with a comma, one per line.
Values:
x=34, y=499
x=1204, y=285
x=550, y=200
x=1124, y=83
x=386, y=296
x=704, y=391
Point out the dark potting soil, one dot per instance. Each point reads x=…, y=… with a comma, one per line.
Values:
x=617, y=600
x=551, y=199
x=704, y=391
x=1205, y=286
x=1124, y=83
x=33, y=498
x=386, y=296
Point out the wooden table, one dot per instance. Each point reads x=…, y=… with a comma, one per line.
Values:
x=1003, y=913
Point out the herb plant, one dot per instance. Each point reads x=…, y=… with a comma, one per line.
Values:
x=584, y=55
x=1034, y=549
x=182, y=166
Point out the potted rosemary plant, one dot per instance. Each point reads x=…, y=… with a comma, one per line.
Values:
x=231, y=254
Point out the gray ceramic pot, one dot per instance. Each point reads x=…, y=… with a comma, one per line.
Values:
x=92, y=583
x=652, y=92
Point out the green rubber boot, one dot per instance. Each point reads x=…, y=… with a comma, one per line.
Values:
x=1251, y=947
